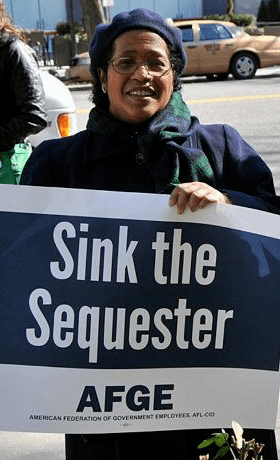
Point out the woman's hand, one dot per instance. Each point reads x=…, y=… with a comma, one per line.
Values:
x=196, y=195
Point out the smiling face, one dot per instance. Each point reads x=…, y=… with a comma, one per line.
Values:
x=137, y=97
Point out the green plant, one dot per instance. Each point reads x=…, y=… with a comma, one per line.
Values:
x=238, y=447
x=63, y=28
x=241, y=20
x=81, y=36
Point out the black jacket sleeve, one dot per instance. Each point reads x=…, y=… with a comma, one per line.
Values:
x=22, y=104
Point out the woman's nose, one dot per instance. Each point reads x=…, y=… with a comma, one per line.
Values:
x=141, y=72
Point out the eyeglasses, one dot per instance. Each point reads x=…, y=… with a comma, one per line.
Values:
x=157, y=67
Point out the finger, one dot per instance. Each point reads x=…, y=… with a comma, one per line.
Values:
x=174, y=196
x=215, y=197
x=207, y=199
x=178, y=193
x=182, y=201
x=196, y=198
x=190, y=194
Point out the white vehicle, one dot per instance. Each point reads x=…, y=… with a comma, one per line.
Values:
x=60, y=107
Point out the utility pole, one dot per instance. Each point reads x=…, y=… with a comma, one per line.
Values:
x=40, y=16
x=107, y=4
x=179, y=14
x=230, y=6
x=70, y=8
x=12, y=10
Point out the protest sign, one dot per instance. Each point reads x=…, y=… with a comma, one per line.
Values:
x=117, y=314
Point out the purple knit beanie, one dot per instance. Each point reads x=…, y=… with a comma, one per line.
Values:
x=140, y=18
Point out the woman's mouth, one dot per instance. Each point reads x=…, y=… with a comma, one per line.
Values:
x=142, y=93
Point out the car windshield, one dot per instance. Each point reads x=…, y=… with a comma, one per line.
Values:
x=235, y=31
x=84, y=61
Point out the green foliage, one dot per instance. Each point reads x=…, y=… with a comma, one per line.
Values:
x=218, y=438
x=241, y=20
x=63, y=28
x=81, y=36
x=222, y=451
x=238, y=445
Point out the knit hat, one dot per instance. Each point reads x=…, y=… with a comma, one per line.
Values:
x=140, y=18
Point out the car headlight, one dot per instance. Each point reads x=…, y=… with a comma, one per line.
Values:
x=64, y=124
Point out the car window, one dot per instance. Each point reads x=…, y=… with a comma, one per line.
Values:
x=235, y=31
x=73, y=62
x=187, y=34
x=84, y=61
x=213, y=32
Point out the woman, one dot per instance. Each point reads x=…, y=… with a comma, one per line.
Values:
x=140, y=137
x=21, y=99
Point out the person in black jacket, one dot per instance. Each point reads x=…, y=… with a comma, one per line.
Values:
x=22, y=100
x=140, y=137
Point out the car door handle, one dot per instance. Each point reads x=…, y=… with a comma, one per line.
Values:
x=193, y=46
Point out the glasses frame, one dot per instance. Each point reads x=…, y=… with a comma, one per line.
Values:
x=165, y=72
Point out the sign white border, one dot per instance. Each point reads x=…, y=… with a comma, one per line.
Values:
x=241, y=391
x=139, y=206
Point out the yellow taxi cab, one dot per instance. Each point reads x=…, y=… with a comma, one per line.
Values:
x=219, y=48
x=79, y=69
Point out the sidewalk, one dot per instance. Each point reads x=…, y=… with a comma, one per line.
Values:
x=31, y=446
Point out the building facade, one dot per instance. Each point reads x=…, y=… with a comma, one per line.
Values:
x=247, y=6
x=240, y=6
x=168, y=9
x=37, y=14
x=45, y=14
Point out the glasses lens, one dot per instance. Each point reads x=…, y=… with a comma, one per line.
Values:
x=124, y=65
x=156, y=67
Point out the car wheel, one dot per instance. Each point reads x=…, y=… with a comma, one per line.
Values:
x=243, y=66
x=217, y=76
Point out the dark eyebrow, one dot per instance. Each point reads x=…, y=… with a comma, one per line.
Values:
x=153, y=53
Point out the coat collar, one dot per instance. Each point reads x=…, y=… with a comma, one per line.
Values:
x=98, y=146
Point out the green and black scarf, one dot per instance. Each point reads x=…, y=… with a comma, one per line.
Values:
x=164, y=143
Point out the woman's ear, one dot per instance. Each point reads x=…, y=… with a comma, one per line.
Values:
x=103, y=79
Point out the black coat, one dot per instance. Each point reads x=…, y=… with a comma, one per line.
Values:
x=92, y=161
x=22, y=101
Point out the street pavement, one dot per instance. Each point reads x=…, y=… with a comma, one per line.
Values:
x=31, y=446
x=80, y=86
